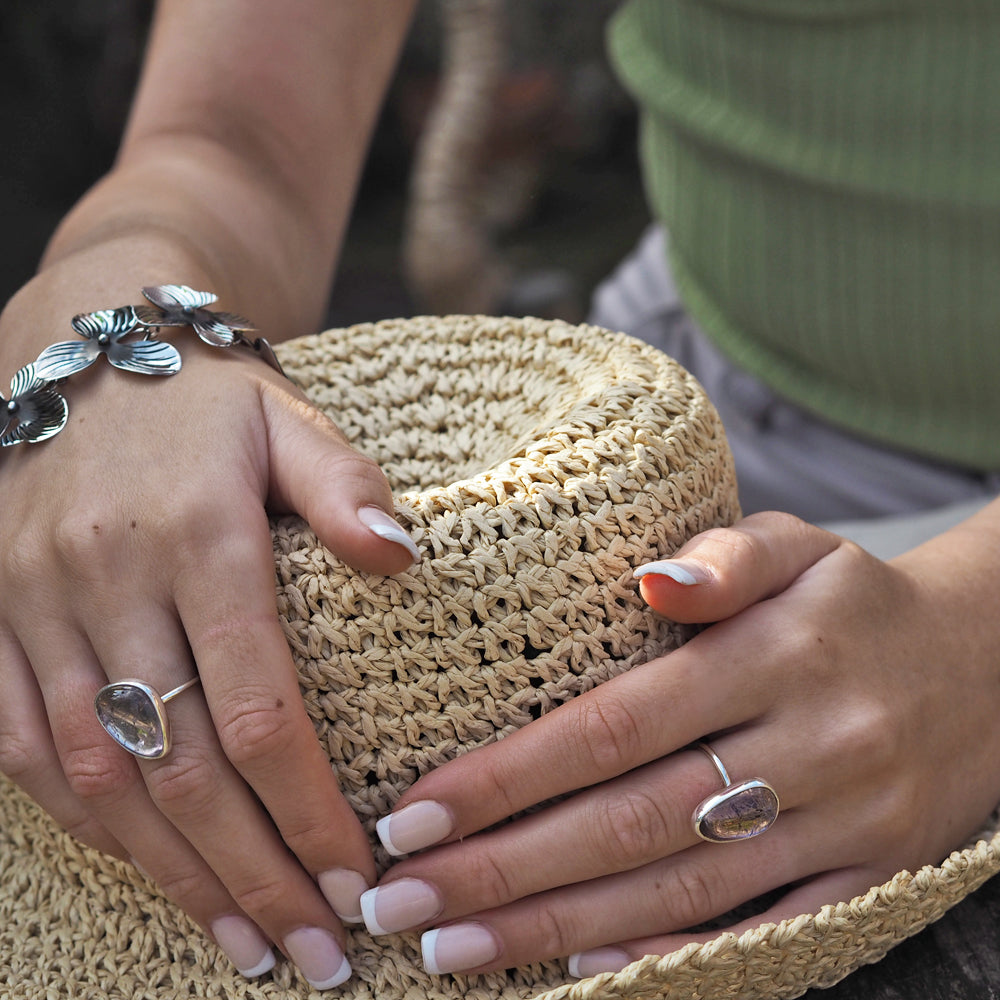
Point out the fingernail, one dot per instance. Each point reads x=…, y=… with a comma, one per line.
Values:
x=378, y=520
x=592, y=963
x=342, y=889
x=687, y=573
x=414, y=827
x=246, y=947
x=400, y=905
x=319, y=958
x=458, y=947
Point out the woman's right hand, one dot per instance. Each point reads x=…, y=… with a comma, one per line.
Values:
x=135, y=544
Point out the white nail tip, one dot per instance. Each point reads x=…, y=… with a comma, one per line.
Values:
x=340, y=976
x=379, y=523
x=368, y=913
x=382, y=829
x=667, y=568
x=573, y=964
x=266, y=964
x=398, y=536
x=428, y=949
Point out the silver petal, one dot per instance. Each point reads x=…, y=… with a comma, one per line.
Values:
x=266, y=352
x=25, y=381
x=114, y=323
x=172, y=297
x=213, y=330
x=150, y=316
x=66, y=358
x=146, y=357
x=12, y=437
x=41, y=410
x=233, y=320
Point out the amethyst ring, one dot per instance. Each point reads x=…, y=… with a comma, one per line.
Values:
x=134, y=715
x=740, y=811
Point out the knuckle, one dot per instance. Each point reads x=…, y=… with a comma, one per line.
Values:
x=493, y=884
x=77, y=538
x=309, y=838
x=20, y=758
x=260, y=728
x=553, y=931
x=610, y=734
x=496, y=782
x=185, y=785
x=182, y=885
x=352, y=472
x=98, y=774
x=688, y=894
x=263, y=897
x=24, y=558
x=630, y=830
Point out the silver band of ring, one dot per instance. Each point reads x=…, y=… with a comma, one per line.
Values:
x=740, y=811
x=134, y=715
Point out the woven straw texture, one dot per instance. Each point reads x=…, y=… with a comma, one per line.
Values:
x=535, y=464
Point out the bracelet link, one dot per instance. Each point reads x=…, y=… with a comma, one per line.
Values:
x=36, y=410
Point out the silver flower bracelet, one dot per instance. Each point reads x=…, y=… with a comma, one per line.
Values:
x=37, y=410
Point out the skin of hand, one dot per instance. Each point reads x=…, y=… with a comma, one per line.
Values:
x=866, y=693
x=135, y=543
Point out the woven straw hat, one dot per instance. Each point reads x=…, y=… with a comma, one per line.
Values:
x=535, y=464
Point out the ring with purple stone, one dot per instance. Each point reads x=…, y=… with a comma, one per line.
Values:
x=740, y=811
x=134, y=715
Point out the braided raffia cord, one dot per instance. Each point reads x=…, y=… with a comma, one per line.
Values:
x=535, y=464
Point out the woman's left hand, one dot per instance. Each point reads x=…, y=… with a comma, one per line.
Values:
x=866, y=693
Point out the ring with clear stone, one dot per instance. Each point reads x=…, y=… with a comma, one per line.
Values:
x=740, y=811
x=134, y=715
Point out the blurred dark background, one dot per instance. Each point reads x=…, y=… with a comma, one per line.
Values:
x=559, y=185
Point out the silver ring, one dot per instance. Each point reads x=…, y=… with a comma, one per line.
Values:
x=740, y=811
x=134, y=715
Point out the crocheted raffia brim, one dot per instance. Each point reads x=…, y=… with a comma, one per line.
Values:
x=535, y=464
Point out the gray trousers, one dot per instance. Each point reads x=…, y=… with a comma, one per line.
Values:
x=786, y=458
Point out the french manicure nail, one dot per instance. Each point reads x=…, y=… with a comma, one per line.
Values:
x=687, y=573
x=318, y=956
x=457, y=947
x=400, y=905
x=592, y=963
x=378, y=521
x=246, y=947
x=414, y=827
x=342, y=888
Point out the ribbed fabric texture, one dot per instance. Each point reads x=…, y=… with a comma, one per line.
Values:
x=829, y=173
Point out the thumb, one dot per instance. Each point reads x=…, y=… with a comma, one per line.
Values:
x=343, y=494
x=722, y=571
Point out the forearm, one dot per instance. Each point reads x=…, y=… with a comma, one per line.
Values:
x=240, y=162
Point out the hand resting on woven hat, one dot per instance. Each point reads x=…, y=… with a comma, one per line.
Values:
x=825, y=674
x=135, y=544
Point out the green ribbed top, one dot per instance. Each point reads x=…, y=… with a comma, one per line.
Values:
x=829, y=174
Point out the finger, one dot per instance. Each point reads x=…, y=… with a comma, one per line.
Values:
x=222, y=859
x=620, y=825
x=678, y=892
x=252, y=691
x=108, y=784
x=28, y=754
x=808, y=898
x=343, y=494
x=724, y=570
x=606, y=732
